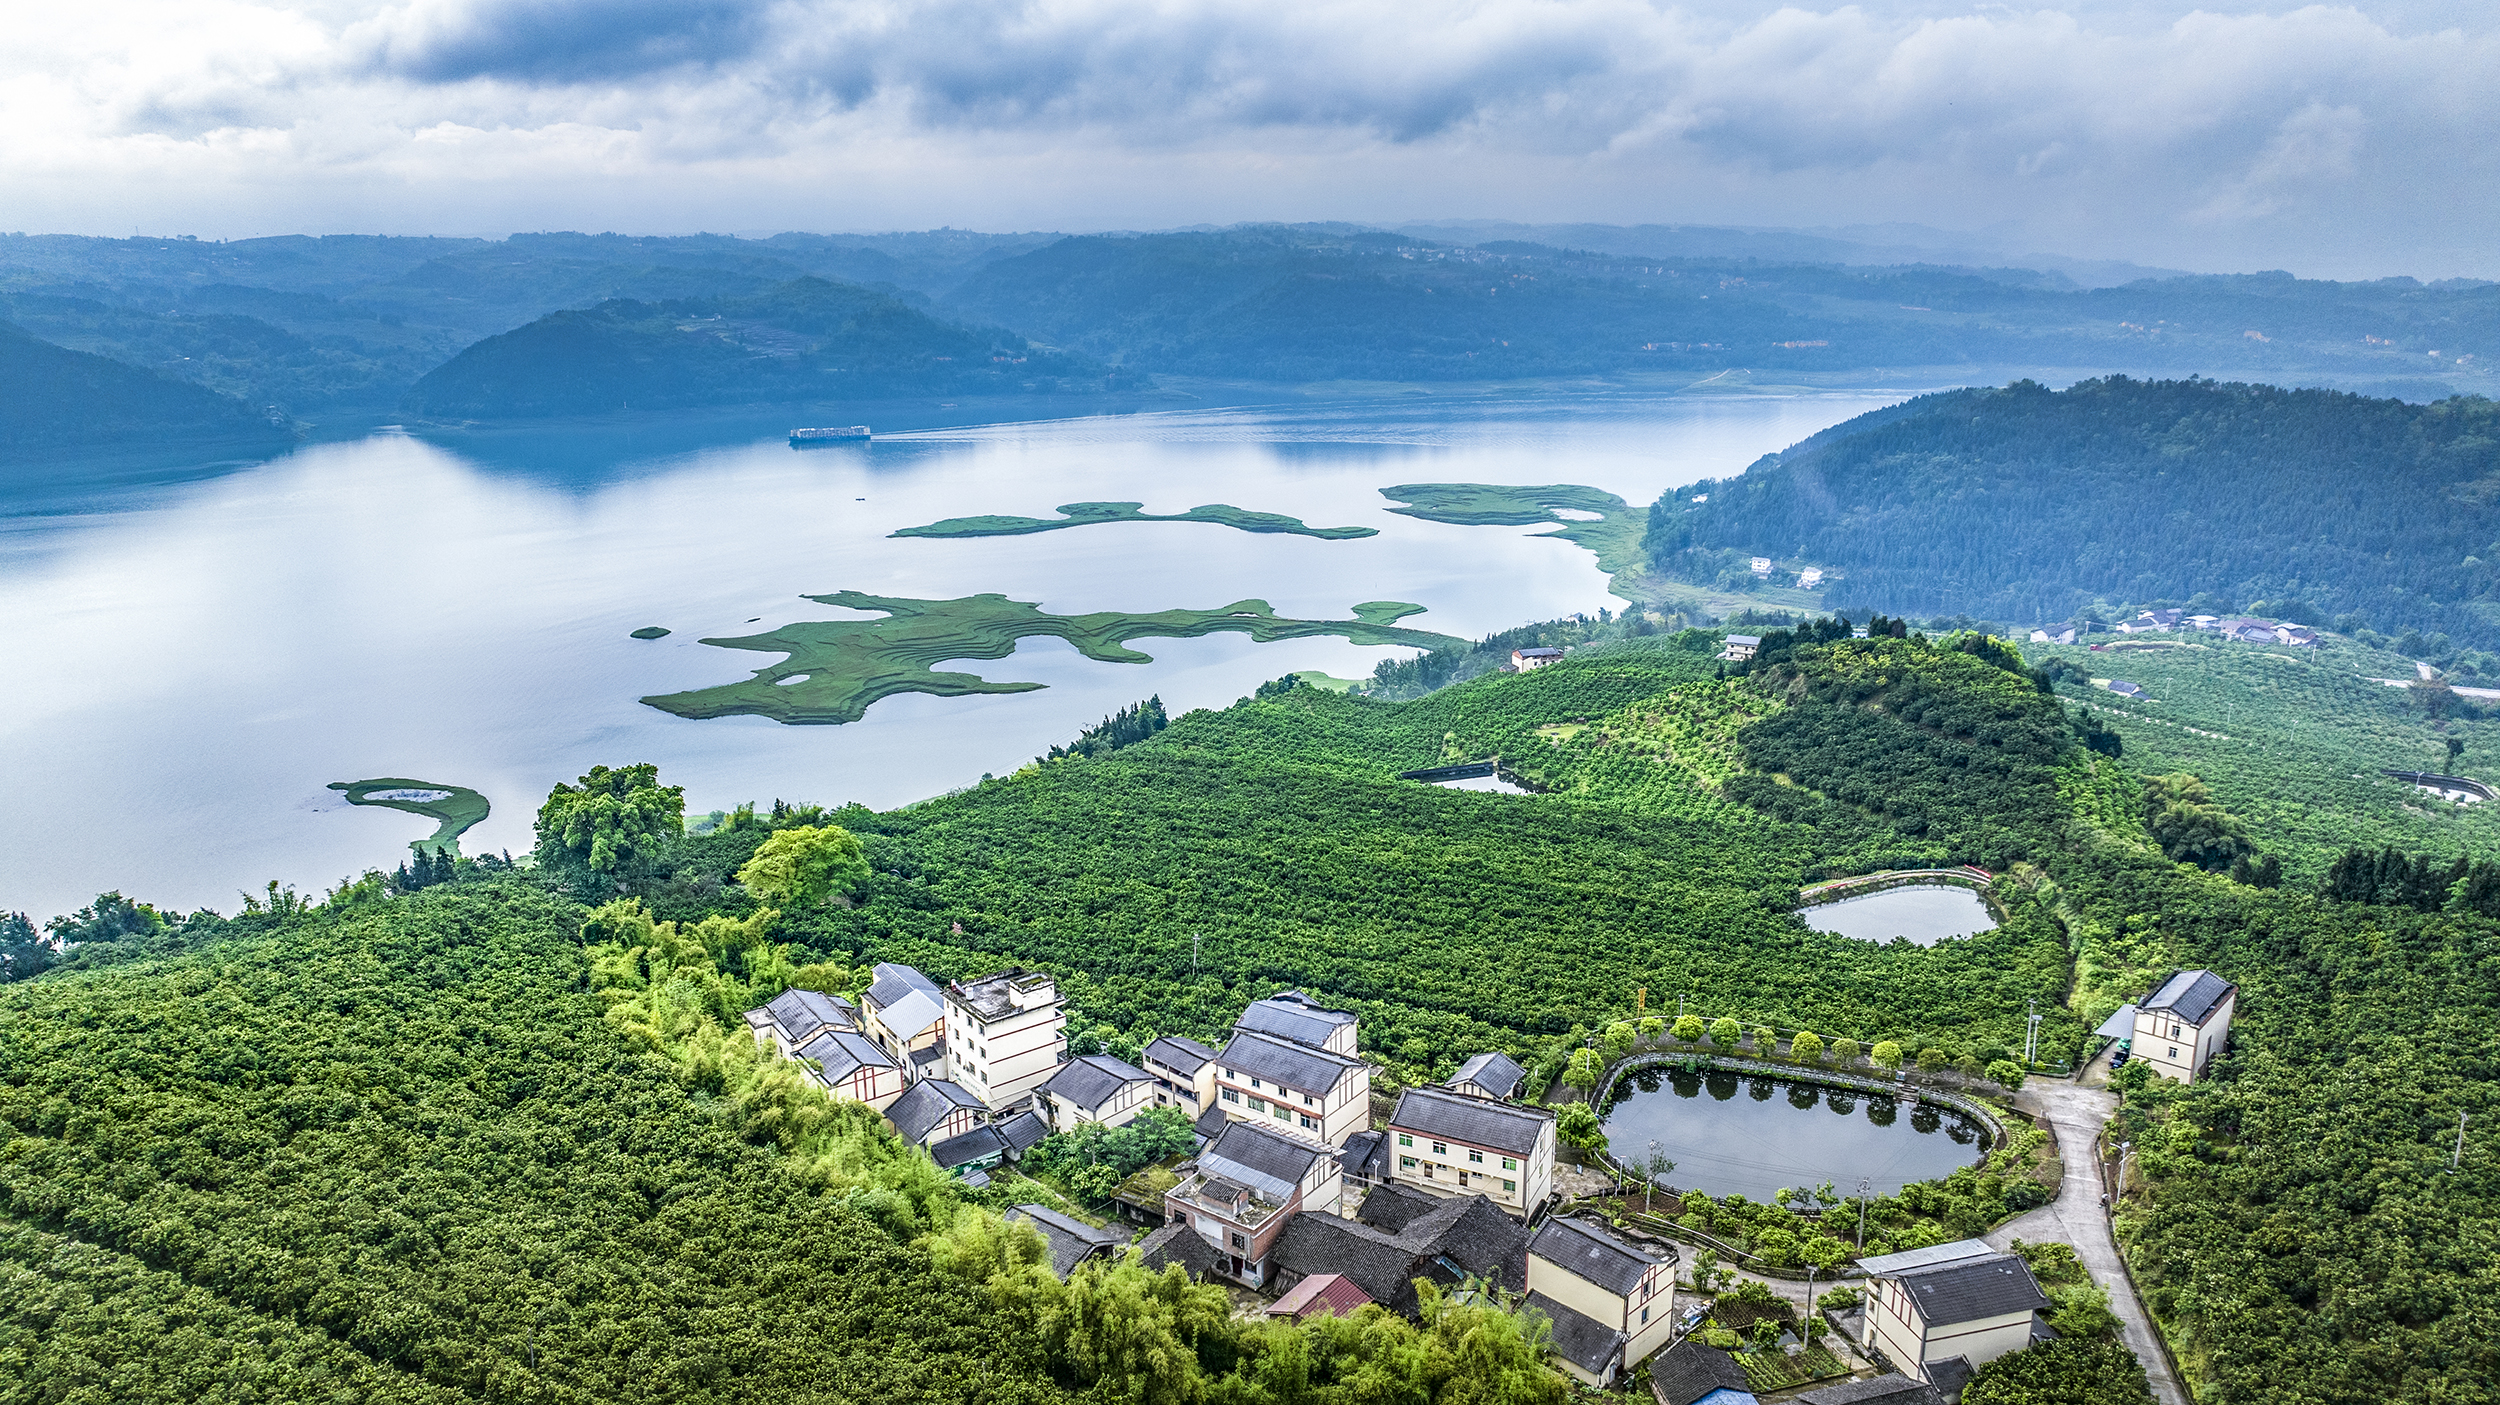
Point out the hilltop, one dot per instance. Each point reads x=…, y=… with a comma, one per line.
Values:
x=61, y=399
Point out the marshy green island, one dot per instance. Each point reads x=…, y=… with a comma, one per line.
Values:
x=1087, y=514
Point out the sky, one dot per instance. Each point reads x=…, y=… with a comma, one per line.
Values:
x=2333, y=141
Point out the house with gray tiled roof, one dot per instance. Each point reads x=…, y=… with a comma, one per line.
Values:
x=1296, y=1016
x=1246, y=1187
x=1690, y=1373
x=1307, y=1089
x=1625, y=1293
x=1964, y=1302
x=1184, y=1073
x=796, y=1016
x=1447, y=1143
x=1072, y=1241
x=848, y=1066
x=1397, y=1236
x=1177, y=1243
x=1892, y=1388
x=1491, y=1075
x=905, y=1014
x=934, y=1109
x=2184, y=1023
x=1094, y=1088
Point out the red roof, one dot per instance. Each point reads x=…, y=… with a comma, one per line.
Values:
x=1333, y=1292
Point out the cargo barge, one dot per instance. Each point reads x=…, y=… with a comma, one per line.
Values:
x=811, y=438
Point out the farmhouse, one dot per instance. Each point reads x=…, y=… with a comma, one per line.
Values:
x=1094, y=1088
x=1004, y=1034
x=1397, y=1236
x=1451, y=1144
x=796, y=1016
x=934, y=1110
x=1940, y=1313
x=2183, y=1023
x=1525, y=659
x=1184, y=1074
x=1611, y=1304
x=2055, y=634
x=1297, y=1017
x=1072, y=1241
x=1689, y=1373
x=849, y=1067
x=1495, y=1076
x=1300, y=1087
x=906, y=1016
x=1249, y=1183
x=1740, y=647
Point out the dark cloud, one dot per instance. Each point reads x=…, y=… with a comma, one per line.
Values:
x=567, y=41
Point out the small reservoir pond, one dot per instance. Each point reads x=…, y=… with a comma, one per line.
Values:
x=1924, y=913
x=1749, y=1135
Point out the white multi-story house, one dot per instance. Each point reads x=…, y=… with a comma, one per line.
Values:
x=1940, y=1313
x=1184, y=1073
x=1611, y=1304
x=1450, y=1144
x=903, y=1011
x=2182, y=1024
x=1005, y=1034
x=1301, y=1088
x=1094, y=1088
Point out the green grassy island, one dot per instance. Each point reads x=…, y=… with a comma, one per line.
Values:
x=1087, y=514
x=838, y=669
x=455, y=810
x=651, y=631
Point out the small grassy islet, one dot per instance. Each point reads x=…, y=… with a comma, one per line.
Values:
x=1087, y=514
x=837, y=669
x=650, y=631
x=454, y=812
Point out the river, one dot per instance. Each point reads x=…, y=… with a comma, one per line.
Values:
x=195, y=657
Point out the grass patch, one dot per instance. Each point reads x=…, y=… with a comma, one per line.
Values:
x=453, y=814
x=1087, y=514
x=838, y=669
x=1775, y=1370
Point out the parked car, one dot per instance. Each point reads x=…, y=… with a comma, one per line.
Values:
x=2119, y=1060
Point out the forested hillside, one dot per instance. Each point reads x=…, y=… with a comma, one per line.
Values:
x=61, y=399
x=2027, y=504
x=805, y=340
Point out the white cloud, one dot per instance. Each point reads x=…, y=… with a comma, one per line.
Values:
x=2203, y=138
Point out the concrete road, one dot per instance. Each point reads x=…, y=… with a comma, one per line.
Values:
x=2076, y=1116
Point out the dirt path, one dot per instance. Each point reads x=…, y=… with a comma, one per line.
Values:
x=2077, y=1115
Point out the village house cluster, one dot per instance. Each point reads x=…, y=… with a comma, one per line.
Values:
x=1293, y=1192
x=2245, y=629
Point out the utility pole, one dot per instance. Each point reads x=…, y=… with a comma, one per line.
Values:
x=2031, y=1040
x=1866, y=1189
x=1193, y=956
x=2456, y=1158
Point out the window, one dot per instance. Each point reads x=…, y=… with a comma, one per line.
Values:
x=1475, y=1156
x=1256, y=1083
x=1440, y=1148
x=1228, y=1073
x=1240, y=1243
x=1307, y=1122
x=1644, y=1314
x=1406, y=1163
x=1258, y=1104
x=1284, y=1113
x=1510, y=1187
x=1510, y=1163
x=1306, y=1101
x=1405, y=1140
x=2174, y=1053
x=1232, y=1095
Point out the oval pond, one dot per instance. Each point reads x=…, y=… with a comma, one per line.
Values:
x=1926, y=913
x=1731, y=1133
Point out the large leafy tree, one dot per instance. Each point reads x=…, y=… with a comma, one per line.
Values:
x=807, y=865
x=2183, y=819
x=611, y=823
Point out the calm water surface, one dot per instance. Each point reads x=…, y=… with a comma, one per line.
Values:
x=1729, y=1134
x=1926, y=914
x=192, y=662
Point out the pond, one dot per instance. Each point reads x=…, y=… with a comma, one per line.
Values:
x=1739, y=1134
x=1924, y=913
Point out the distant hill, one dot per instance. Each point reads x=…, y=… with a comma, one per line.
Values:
x=1304, y=303
x=2025, y=504
x=61, y=400
x=804, y=340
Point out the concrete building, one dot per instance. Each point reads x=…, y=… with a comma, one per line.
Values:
x=1094, y=1088
x=1611, y=1304
x=903, y=1012
x=1450, y=1144
x=1297, y=1017
x=1184, y=1073
x=1496, y=1076
x=1740, y=647
x=2182, y=1024
x=1940, y=1313
x=1303, y=1088
x=848, y=1066
x=1005, y=1034
x=1525, y=660
x=2053, y=634
x=1248, y=1184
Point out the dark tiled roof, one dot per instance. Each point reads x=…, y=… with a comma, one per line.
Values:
x=1496, y=1073
x=1579, y=1339
x=1182, y=1055
x=843, y=1053
x=1210, y=1123
x=1894, y=1389
x=1021, y=1133
x=2191, y=995
x=1093, y=1079
x=1177, y=1243
x=926, y=1105
x=801, y=1013
x=1688, y=1371
x=1296, y=1066
x=1593, y=1254
x=1394, y=1207
x=1293, y=1016
x=1949, y=1376
x=1248, y=1152
x=979, y=1144
x=1973, y=1289
x=1381, y=1264
x=893, y=982
x=1443, y=1240
x=1456, y=1117
x=1072, y=1241
x=1366, y=1154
